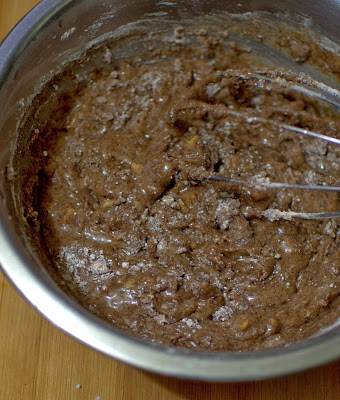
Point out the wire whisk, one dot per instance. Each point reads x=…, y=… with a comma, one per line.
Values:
x=201, y=105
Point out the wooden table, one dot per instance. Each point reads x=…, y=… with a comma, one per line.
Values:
x=39, y=362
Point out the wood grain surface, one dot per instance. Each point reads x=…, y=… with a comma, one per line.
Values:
x=39, y=362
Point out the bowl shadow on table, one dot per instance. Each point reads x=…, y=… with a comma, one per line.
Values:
x=322, y=383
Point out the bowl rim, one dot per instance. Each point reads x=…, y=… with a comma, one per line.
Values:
x=70, y=317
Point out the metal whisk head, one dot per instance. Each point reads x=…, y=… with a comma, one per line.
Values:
x=264, y=81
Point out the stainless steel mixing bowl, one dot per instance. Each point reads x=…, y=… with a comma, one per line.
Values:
x=47, y=37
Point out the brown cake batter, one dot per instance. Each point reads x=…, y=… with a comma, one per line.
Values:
x=147, y=241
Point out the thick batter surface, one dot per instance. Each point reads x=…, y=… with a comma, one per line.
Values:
x=148, y=242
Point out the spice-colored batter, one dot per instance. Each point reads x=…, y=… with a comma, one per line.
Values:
x=144, y=237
